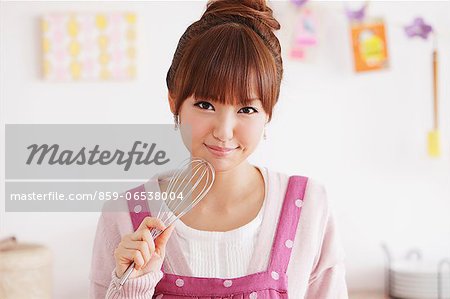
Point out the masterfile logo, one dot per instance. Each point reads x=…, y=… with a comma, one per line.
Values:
x=54, y=155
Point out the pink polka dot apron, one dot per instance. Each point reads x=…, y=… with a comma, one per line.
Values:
x=271, y=283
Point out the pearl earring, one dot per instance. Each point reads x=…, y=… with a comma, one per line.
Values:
x=265, y=135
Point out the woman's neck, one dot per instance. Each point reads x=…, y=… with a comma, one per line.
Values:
x=234, y=200
x=230, y=187
x=233, y=185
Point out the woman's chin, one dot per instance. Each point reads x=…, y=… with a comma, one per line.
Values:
x=219, y=163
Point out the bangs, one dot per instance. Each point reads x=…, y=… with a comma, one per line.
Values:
x=229, y=64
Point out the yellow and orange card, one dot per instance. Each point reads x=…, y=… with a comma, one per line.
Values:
x=369, y=45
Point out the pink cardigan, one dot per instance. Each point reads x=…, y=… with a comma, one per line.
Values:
x=316, y=268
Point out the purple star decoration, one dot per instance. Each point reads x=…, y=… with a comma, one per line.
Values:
x=299, y=2
x=418, y=28
x=356, y=15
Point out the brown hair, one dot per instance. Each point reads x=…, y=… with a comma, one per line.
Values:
x=230, y=48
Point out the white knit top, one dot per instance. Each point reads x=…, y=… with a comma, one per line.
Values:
x=221, y=254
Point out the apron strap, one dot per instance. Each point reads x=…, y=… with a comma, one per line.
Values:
x=287, y=224
x=138, y=208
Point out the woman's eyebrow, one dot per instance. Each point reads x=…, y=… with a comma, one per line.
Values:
x=257, y=100
x=250, y=101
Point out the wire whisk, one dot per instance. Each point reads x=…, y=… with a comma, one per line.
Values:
x=187, y=186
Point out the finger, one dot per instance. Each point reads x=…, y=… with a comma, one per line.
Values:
x=161, y=240
x=127, y=237
x=151, y=222
x=147, y=237
x=142, y=247
x=140, y=232
x=144, y=235
x=131, y=255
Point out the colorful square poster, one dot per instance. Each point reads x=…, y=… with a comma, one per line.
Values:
x=89, y=46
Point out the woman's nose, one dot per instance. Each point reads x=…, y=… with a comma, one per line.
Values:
x=224, y=127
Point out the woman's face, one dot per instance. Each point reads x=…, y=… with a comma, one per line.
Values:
x=224, y=135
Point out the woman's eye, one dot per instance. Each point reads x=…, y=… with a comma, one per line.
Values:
x=248, y=110
x=204, y=105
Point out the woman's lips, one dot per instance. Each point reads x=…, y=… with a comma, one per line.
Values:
x=219, y=151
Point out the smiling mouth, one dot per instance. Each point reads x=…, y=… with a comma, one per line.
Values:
x=220, y=151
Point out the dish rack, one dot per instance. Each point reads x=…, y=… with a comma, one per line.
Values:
x=413, y=278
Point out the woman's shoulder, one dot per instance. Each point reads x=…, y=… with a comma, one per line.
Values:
x=315, y=198
x=315, y=195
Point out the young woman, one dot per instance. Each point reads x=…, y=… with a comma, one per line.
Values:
x=257, y=233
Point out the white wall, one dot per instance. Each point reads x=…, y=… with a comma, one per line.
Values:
x=362, y=135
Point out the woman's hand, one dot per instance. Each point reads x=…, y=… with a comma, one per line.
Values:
x=140, y=248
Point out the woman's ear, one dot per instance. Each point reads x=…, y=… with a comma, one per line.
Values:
x=171, y=103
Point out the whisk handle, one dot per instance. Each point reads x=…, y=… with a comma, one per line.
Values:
x=125, y=275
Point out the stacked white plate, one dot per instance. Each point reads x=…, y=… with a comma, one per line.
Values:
x=418, y=280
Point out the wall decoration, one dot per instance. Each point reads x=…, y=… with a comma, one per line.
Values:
x=368, y=36
x=89, y=46
x=419, y=28
x=305, y=33
x=305, y=30
x=369, y=45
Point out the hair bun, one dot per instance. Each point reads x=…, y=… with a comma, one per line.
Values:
x=255, y=11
